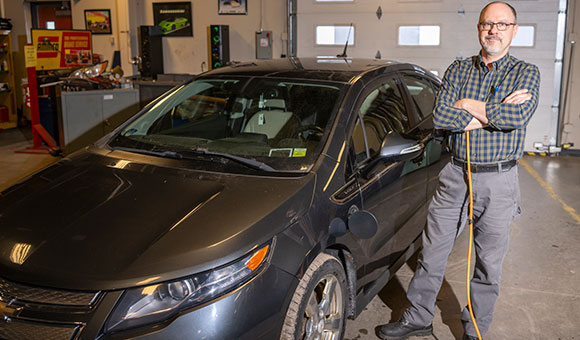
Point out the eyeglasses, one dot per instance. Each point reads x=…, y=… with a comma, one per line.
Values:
x=501, y=26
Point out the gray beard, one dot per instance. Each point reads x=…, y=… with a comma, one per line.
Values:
x=489, y=49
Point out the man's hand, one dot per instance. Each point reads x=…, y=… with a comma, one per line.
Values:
x=517, y=97
x=474, y=107
x=474, y=125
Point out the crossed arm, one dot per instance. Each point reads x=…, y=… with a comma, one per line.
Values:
x=457, y=114
x=476, y=108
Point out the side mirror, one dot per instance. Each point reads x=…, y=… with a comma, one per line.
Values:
x=396, y=148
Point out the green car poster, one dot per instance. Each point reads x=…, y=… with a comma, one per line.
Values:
x=174, y=18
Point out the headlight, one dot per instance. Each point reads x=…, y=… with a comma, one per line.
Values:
x=155, y=303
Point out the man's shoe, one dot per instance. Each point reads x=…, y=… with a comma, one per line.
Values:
x=402, y=329
x=469, y=337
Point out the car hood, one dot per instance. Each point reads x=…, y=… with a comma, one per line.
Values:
x=99, y=223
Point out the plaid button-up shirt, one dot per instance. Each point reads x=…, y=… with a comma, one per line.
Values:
x=503, y=138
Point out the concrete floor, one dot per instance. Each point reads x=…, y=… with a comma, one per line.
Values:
x=540, y=293
x=15, y=166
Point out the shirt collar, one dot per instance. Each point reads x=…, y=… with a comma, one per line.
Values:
x=498, y=64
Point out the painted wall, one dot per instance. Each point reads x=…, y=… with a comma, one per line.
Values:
x=181, y=54
x=186, y=54
x=457, y=20
x=106, y=44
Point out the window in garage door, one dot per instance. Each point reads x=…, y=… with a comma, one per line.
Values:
x=525, y=36
x=419, y=35
x=334, y=35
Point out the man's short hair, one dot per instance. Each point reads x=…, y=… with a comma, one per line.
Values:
x=501, y=2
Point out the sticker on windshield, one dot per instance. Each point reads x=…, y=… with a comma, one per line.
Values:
x=299, y=152
x=281, y=152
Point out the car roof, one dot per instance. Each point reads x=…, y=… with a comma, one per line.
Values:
x=330, y=69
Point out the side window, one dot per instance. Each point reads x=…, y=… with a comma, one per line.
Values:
x=382, y=111
x=358, y=142
x=422, y=93
x=365, y=133
x=357, y=152
x=387, y=108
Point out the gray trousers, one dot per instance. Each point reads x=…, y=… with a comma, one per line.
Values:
x=496, y=199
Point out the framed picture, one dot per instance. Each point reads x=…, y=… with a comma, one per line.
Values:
x=232, y=6
x=174, y=18
x=98, y=21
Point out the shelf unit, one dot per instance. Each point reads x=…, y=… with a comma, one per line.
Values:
x=7, y=88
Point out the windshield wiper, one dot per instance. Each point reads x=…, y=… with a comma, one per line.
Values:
x=252, y=163
x=199, y=151
x=160, y=153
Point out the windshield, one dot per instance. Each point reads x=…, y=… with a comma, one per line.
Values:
x=279, y=123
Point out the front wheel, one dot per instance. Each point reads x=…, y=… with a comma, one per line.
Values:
x=318, y=307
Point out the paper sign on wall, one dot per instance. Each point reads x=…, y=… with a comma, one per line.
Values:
x=61, y=49
x=30, y=56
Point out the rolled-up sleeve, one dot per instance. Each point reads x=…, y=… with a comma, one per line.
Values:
x=445, y=116
x=505, y=116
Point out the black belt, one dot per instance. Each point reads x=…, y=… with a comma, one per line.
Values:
x=486, y=167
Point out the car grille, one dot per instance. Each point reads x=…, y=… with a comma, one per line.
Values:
x=34, y=313
x=11, y=290
x=20, y=330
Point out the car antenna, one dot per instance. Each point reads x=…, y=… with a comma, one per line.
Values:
x=343, y=54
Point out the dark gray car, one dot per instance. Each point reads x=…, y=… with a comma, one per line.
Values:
x=264, y=200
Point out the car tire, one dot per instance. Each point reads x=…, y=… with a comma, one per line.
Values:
x=318, y=307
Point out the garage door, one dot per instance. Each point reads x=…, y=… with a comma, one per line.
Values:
x=432, y=34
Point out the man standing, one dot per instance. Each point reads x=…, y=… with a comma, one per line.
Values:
x=493, y=95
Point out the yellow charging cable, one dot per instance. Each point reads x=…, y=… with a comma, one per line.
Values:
x=470, y=236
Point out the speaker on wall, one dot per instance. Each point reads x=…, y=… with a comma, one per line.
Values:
x=150, y=51
x=218, y=41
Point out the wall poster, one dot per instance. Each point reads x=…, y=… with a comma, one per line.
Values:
x=174, y=18
x=98, y=21
x=232, y=7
